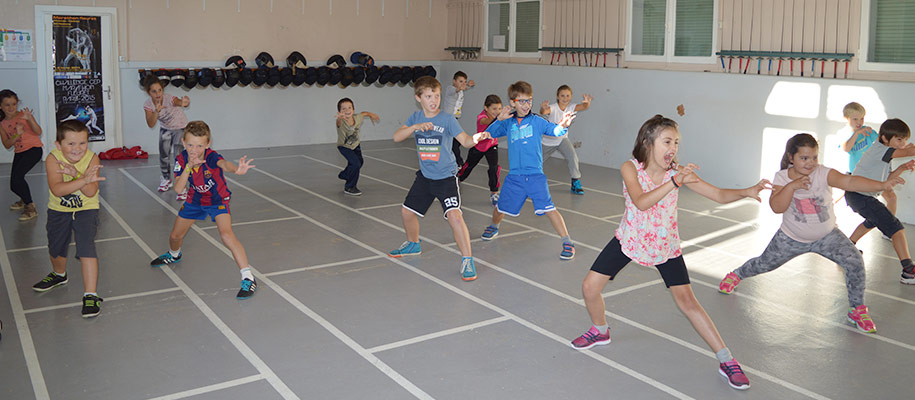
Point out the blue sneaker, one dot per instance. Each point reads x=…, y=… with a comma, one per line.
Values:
x=247, y=289
x=468, y=271
x=408, y=248
x=568, y=251
x=165, y=259
x=576, y=187
x=490, y=233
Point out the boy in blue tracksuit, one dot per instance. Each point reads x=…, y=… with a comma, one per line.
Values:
x=525, y=158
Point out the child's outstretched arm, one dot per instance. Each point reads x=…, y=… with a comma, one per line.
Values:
x=862, y=131
x=181, y=102
x=907, y=151
x=244, y=164
x=87, y=183
x=404, y=131
x=26, y=113
x=372, y=116
x=545, y=108
x=469, y=141
x=854, y=183
x=585, y=103
x=723, y=196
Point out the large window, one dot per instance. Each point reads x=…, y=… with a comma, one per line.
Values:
x=512, y=28
x=887, y=35
x=672, y=30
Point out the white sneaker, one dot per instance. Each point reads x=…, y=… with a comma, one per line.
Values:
x=182, y=196
x=164, y=184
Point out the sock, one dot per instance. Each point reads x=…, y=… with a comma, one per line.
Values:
x=495, y=225
x=567, y=239
x=724, y=355
x=90, y=293
x=906, y=264
x=601, y=328
x=174, y=253
x=60, y=275
x=246, y=274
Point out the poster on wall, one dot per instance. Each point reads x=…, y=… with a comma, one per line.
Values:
x=15, y=45
x=78, y=71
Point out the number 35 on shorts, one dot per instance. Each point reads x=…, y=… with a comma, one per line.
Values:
x=451, y=202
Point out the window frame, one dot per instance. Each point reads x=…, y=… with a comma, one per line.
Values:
x=670, y=37
x=512, y=18
x=864, y=47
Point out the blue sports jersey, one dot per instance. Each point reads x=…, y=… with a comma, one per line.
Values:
x=206, y=186
x=525, y=156
x=436, y=160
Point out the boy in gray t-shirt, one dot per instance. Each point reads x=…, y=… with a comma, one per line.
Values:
x=893, y=142
x=452, y=102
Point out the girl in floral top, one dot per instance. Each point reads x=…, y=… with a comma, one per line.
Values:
x=648, y=235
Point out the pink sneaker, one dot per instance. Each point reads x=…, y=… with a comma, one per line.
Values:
x=735, y=375
x=591, y=338
x=858, y=316
x=729, y=283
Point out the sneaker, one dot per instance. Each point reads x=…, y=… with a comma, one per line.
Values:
x=576, y=187
x=248, y=287
x=591, y=338
x=90, y=305
x=490, y=233
x=50, y=282
x=494, y=198
x=736, y=378
x=181, y=196
x=858, y=316
x=908, y=276
x=164, y=184
x=468, y=271
x=28, y=212
x=568, y=251
x=408, y=248
x=352, y=191
x=165, y=259
x=17, y=205
x=729, y=283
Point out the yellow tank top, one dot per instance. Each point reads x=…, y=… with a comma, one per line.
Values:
x=75, y=201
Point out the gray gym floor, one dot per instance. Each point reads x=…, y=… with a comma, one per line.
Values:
x=335, y=318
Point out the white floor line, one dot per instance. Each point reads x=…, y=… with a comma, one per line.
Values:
x=613, y=217
x=386, y=149
x=210, y=388
x=435, y=335
x=32, y=174
x=381, y=206
x=262, y=221
x=39, y=387
x=71, y=244
x=208, y=312
x=107, y=300
x=684, y=343
x=328, y=265
x=628, y=289
x=501, y=235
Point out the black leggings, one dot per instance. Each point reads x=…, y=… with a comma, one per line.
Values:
x=22, y=164
x=473, y=158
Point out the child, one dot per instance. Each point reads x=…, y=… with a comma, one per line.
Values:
x=801, y=192
x=19, y=128
x=875, y=164
x=861, y=139
x=436, y=176
x=166, y=109
x=348, y=125
x=454, y=99
x=525, y=177
x=200, y=169
x=73, y=205
x=492, y=107
x=554, y=112
x=648, y=235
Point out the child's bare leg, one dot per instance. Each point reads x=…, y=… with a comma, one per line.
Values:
x=686, y=301
x=461, y=234
x=90, y=273
x=901, y=245
x=410, y=224
x=559, y=224
x=179, y=230
x=859, y=233
x=890, y=197
x=497, y=217
x=59, y=264
x=224, y=225
x=591, y=290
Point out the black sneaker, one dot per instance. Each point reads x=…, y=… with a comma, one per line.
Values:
x=247, y=289
x=50, y=282
x=352, y=191
x=90, y=305
x=165, y=259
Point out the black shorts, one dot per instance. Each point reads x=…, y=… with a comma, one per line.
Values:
x=875, y=213
x=612, y=260
x=61, y=225
x=424, y=191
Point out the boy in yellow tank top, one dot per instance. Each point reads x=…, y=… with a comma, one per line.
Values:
x=73, y=207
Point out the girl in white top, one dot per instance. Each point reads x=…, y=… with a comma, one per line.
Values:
x=554, y=113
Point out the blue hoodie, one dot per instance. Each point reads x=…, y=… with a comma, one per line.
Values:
x=525, y=156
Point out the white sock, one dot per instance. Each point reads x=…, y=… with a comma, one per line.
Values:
x=90, y=293
x=174, y=253
x=601, y=328
x=724, y=355
x=61, y=275
x=246, y=274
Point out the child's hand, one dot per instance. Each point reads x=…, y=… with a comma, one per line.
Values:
x=340, y=115
x=185, y=101
x=375, y=118
x=545, y=104
x=892, y=182
x=753, y=191
x=908, y=166
x=244, y=164
x=567, y=119
x=586, y=99
x=477, y=137
x=159, y=105
x=687, y=174
x=27, y=114
x=506, y=113
x=67, y=169
x=425, y=126
x=19, y=131
x=92, y=175
x=194, y=163
x=471, y=83
x=800, y=183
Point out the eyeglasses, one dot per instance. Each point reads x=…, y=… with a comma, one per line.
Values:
x=524, y=101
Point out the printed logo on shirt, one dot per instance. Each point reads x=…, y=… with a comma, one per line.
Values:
x=810, y=211
x=429, y=147
x=207, y=174
x=209, y=184
x=523, y=132
x=177, y=166
x=71, y=200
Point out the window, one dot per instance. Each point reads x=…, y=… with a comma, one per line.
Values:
x=887, y=36
x=672, y=30
x=512, y=28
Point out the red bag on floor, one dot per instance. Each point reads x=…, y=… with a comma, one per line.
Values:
x=123, y=153
x=137, y=152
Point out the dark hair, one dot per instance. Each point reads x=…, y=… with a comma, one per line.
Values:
x=491, y=99
x=795, y=143
x=563, y=87
x=518, y=88
x=198, y=129
x=459, y=74
x=894, y=127
x=345, y=100
x=149, y=81
x=647, y=135
x=70, y=126
x=3, y=95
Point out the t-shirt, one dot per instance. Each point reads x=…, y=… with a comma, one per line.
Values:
x=29, y=139
x=453, y=101
x=875, y=163
x=433, y=147
x=206, y=185
x=650, y=237
x=862, y=143
x=348, y=135
x=75, y=201
x=810, y=216
x=525, y=155
x=485, y=144
x=555, y=116
x=171, y=116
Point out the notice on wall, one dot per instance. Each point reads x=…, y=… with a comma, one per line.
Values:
x=78, y=71
x=15, y=45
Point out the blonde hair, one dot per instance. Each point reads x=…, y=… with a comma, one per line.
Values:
x=852, y=108
x=426, y=82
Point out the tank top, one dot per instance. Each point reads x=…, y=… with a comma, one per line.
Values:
x=75, y=201
x=650, y=237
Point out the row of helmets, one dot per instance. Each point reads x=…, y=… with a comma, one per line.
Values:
x=296, y=72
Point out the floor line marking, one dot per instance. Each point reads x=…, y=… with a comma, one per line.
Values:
x=314, y=267
x=435, y=335
x=381, y=206
x=71, y=244
x=211, y=388
x=107, y=300
x=262, y=221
